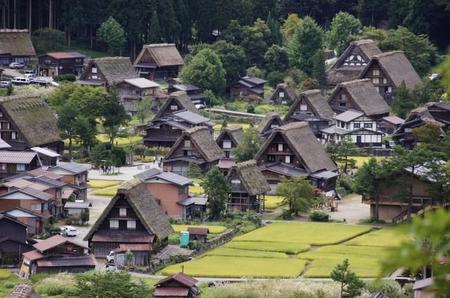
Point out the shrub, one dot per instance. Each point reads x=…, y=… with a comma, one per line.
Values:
x=251, y=109
x=66, y=78
x=389, y=288
x=275, y=78
x=194, y=245
x=319, y=216
x=60, y=284
x=9, y=284
x=344, y=185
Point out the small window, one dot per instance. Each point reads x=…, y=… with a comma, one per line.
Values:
x=280, y=147
x=131, y=224
x=367, y=125
x=384, y=81
x=287, y=159
x=113, y=224
x=226, y=144
x=13, y=135
x=94, y=77
x=122, y=212
x=187, y=144
x=389, y=89
x=342, y=124
x=303, y=107
x=376, y=72
x=342, y=104
x=356, y=125
x=1, y=115
x=94, y=70
x=20, y=167
x=375, y=80
x=270, y=158
x=236, y=181
x=173, y=107
x=281, y=94
x=274, y=126
x=36, y=207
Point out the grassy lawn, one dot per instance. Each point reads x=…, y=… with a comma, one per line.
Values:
x=121, y=141
x=307, y=233
x=213, y=229
x=273, y=202
x=283, y=247
x=213, y=266
x=233, y=252
x=7, y=282
x=360, y=160
x=102, y=183
x=106, y=192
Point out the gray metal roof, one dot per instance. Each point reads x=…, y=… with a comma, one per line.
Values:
x=142, y=83
x=325, y=174
x=73, y=167
x=194, y=201
x=166, y=176
x=191, y=117
x=75, y=205
x=17, y=156
x=47, y=180
x=349, y=115
x=185, y=87
x=31, y=192
x=4, y=145
x=45, y=151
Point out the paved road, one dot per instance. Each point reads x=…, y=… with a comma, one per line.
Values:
x=126, y=173
x=351, y=209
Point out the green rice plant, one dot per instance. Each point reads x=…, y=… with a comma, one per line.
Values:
x=93, y=183
x=384, y=237
x=232, y=267
x=272, y=202
x=106, y=192
x=284, y=247
x=233, y=252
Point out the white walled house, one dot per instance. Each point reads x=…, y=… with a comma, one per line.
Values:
x=356, y=127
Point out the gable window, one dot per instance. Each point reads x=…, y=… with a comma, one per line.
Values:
x=375, y=80
x=384, y=81
x=94, y=77
x=342, y=104
x=270, y=158
x=13, y=135
x=303, y=107
x=1, y=115
x=236, y=182
x=187, y=152
x=356, y=125
x=173, y=107
x=113, y=224
x=226, y=144
x=274, y=125
x=376, y=72
x=281, y=94
x=94, y=70
x=367, y=125
x=280, y=147
x=287, y=159
x=20, y=167
x=122, y=212
x=131, y=224
x=342, y=124
x=187, y=144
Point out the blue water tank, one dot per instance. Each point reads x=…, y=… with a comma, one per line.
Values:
x=184, y=238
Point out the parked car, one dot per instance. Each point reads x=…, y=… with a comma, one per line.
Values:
x=4, y=84
x=68, y=231
x=30, y=75
x=110, y=257
x=21, y=81
x=16, y=65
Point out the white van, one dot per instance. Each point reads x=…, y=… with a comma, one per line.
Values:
x=20, y=81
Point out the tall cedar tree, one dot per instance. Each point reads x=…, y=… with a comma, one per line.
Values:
x=351, y=285
x=216, y=189
x=112, y=33
x=114, y=115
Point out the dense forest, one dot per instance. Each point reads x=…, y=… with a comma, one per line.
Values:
x=187, y=22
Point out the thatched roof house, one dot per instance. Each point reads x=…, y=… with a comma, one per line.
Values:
x=229, y=138
x=107, y=71
x=268, y=123
x=283, y=94
x=359, y=95
x=32, y=123
x=159, y=61
x=16, y=45
x=313, y=102
x=352, y=61
x=176, y=102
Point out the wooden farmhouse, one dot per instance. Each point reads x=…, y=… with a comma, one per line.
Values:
x=27, y=121
x=248, y=86
x=13, y=240
x=283, y=94
x=433, y=113
x=292, y=150
x=352, y=62
x=197, y=146
x=179, y=285
x=132, y=91
x=34, y=221
x=75, y=175
x=57, y=254
x=16, y=46
x=158, y=61
x=229, y=138
x=193, y=92
x=355, y=127
x=107, y=71
x=132, y=221
x=393, y=207
x=389, y=124
x=170, y=190
x=248, y=187
x=176, y=115
x=17, y=162
x=198, y=234
x=29, y=199
x=271, y=121
x=311, y=106
x=359, y=95
x=388, y=71
x=60, y=63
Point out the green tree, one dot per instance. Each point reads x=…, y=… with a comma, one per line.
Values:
x=47, y=40
x=341, y=154
x=444, y=70
x=343, y=27
x=403, y=101
x=103, y=284
x=318, y=71
x=275, y=29
x=297, y=193
x=427, y=245
x=67, y=115
x=351, y=285
x=290, y=25
x=440, y=188
x=216, y=189
x=307, y=40
x=276, y=59
x=249, y=146
x=194, y=171
x=255, y=41
x=114, y=115
x=372, y=12
x=233, y=60
x=206, y=71
x=112, y=33
x=144, y=109
x=154, y=35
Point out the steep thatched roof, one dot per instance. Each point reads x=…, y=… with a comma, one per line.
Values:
x=181, y=99
x=270, y=118
x=397, y=67
x=235, y=132
x=164, y=54
x=144, y=205
x=202, y=139
x=115, y=69
x=304, y=144
x=339, y=73
x=286, y=89
x=366, y=96
x=251, y=177
x=35, y=120
x=16, y=42
x=317, y=101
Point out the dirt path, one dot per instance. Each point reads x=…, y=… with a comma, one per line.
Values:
x=351, y=209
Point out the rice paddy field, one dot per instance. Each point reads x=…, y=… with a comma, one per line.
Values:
x=274, y=251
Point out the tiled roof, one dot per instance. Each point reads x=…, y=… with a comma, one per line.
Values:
x=24, y=157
